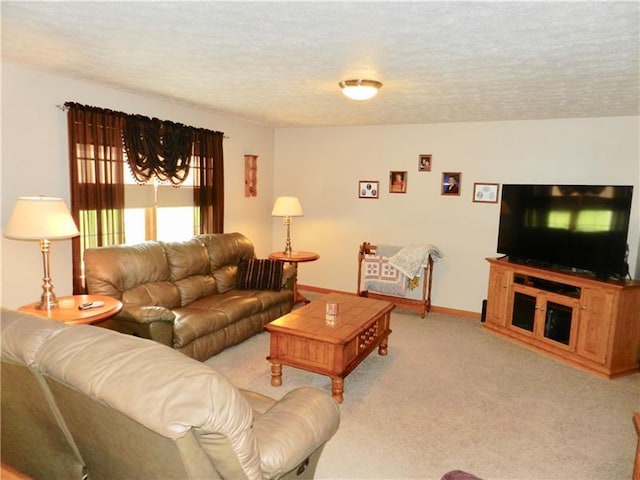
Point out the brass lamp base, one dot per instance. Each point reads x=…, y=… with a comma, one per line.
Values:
x=287, y=248
x=48, y=300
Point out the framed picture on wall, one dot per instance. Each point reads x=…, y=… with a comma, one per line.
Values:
x=485, y=192
x=424, y=162
x=397, y=182
x=451, y=183
x=368, y=189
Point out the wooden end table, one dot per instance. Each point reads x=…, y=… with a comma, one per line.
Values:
x=294, y=258
x=68, y=311
x=308, y=338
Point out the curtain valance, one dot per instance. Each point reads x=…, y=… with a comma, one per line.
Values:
x=155, y=148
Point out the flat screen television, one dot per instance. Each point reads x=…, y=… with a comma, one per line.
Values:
x=573, y=227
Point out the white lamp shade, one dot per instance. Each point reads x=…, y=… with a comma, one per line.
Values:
x=287, y=207
x=37, y=218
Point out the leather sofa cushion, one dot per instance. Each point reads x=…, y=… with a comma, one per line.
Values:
x=190, y=269
x=271, y=298
x=195, y=287
x=187, y=258
x=226, y=277
x=164, y=294
x=226, y=251
x=215, y=312
x=191, y=323
x=227, y=248
x=113, y=270
x=235, y=304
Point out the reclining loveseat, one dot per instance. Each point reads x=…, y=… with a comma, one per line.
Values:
x=198, y=296
x=79, y=401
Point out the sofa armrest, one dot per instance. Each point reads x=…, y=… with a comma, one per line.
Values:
x=259, y=403
x=152, y=322
x=290, y=431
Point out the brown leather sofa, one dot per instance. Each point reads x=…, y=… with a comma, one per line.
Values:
x=185, y=294
x=80, y=401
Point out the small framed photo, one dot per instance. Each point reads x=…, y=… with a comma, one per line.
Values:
x=368, y=189
x=485, y=192
x=397, y=182
x=451, y=183
x=424, y=162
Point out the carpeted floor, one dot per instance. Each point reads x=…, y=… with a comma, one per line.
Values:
x=451, y=395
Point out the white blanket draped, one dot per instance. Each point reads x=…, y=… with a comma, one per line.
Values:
x=410, y=259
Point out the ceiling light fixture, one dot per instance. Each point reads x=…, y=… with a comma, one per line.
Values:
x=360, y=89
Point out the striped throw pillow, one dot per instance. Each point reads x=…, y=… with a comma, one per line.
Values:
x=258, y=274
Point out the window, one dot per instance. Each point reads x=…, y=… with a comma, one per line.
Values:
x=155, y=211
x=105, y=201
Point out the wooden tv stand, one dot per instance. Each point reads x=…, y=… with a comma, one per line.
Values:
x=591, y=324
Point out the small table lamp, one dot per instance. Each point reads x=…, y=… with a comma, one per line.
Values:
x=44, y=219
x=287, y=207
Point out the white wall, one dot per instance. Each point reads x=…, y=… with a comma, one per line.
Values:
x=35, y=161
x=322, y=166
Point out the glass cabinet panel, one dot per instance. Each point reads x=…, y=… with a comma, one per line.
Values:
x=524, y=311
x=557, y=322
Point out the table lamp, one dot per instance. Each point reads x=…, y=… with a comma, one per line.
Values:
x=287, y=207
x=44, y=219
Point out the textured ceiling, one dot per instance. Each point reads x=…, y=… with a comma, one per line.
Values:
x=279, y=63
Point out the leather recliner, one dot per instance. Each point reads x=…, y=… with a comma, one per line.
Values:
x=87, y=400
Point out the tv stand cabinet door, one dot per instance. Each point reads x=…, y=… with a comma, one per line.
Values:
x=500, y=280
x=596, y=312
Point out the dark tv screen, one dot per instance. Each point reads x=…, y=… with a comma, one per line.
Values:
x=577, y=227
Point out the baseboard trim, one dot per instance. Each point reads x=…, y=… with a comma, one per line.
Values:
x=434, y=308
x=457, y=312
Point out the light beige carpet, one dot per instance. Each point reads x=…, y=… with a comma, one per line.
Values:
x=451, y=395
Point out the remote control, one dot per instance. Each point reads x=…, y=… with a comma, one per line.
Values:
x=87, y=306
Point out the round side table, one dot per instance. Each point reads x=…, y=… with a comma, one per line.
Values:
x=294, y=258
x=68, y=311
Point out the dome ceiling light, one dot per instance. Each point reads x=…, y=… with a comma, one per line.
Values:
x=360, y=89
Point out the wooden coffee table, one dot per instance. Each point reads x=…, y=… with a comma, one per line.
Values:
x=308, y=339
